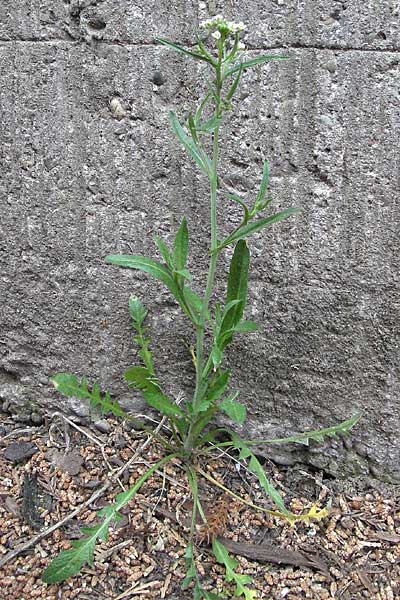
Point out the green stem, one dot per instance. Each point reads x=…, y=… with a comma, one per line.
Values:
x=200, y=329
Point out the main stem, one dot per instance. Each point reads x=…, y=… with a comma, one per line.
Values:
x=200, y=329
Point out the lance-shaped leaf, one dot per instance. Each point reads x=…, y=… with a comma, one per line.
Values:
x=259, y=203
x=256, y=468
x=181, y=246
x=194, y=302
x=254, y=62
x=234, y=85
x=164, y=251
x=199, y=157
x=69, y=562
x=217, y=387
x=254, y=226
x=148, y=265
x=192, y=128
x=246, y=327
x=182, y=50
x=236, y=292
x=157, y=270
x=200, y=109
x=209, y=125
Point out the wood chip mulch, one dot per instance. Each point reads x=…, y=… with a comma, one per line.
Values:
x=352, y=554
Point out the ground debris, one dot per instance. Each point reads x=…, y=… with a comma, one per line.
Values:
x=353, y=554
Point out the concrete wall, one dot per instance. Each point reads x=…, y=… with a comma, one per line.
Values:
x=82, y=177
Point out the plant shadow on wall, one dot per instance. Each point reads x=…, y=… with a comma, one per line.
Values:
x=188, y=434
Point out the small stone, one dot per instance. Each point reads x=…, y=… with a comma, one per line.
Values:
x=12, y=507
x=36, y=419
x=19, y=451
x=120, y=442
x=80, y=408
x=91, y=484
x=157, y=78
x=330, y=66
x=103, y=426
x=70, y=462
x=117, y=109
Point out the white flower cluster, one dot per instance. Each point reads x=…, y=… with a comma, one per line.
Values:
x=222, y=25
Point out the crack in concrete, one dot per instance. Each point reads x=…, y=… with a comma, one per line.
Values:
x=128, y=44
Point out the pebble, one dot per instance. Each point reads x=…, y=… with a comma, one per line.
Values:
x=103, y=426
x=70, y=462
x=36, y=419
x=18, y=451
x=157, y=78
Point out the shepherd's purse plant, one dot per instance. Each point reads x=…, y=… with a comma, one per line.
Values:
x=190, y=435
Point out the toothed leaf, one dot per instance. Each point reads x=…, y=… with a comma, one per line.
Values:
x=256, y=468
x=141, y=378
x=69, y=562
x=235, y=410
x=318, y=435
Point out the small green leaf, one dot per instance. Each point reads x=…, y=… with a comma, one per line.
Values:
x=256, y=468
x=195, y=302
x=210, y=125
x=137, y=310
x=234, y=85
x=205, y=416
x=246, y=327
x=217, y=387
x=202, y=161
x=164, y=251
x=141, y=378
x=192, y=128
x=236, y=292
x=181, y=246
x=255, y=226
x=235, y=410
x=159, y=401
x=216, y=356
x=255, y=61
x=148, y=265
x=223, y=557
x=200, y=109
x=69, y=385
x=69, y=562
x=182, y=50
x=259, y=203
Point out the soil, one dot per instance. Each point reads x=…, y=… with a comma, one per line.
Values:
x=353, y=553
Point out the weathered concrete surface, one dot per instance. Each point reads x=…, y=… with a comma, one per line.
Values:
x=78, y=183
